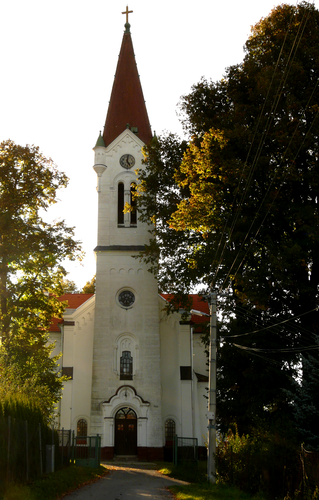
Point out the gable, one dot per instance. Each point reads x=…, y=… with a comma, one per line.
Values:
x=74, y=301
x=126, y=138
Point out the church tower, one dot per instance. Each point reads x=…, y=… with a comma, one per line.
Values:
x=126, y=381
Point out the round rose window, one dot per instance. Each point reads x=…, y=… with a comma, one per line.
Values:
x=126, y=298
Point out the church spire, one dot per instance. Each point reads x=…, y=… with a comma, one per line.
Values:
x=127, y=107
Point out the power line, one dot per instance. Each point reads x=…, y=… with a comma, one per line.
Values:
x=270, y=118
x=271, y=326
x=287, y=349
x=254, y=239
x=264, y=134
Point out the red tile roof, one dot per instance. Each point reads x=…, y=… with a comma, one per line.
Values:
x=198, y=304
x=74, y=300
x=127, y=105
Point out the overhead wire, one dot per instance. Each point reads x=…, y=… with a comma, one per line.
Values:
x=270, y=117
x=254, y=240
x=288, y=328
x=304, y=344
x=275, y=103
x=293, y=329
x=270, y=360
x=261, y=114
x=261, y=141
x=272, y=351
x=256, y=318
x=271, y=326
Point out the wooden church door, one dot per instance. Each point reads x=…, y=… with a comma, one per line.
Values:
x=125, y=432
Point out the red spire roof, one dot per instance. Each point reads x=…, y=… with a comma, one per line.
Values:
x=127, y=106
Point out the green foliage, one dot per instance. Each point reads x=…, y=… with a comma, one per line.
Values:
x=37, y=382
x=251, y=168
x=157, y=194
x=188, y=471
x=264, y=461
x=21, y=421
x=255, y=371
x=21, y=406
x=55, y=485
x=237, y=209
x=89, y=286
x=208, y=491
x=306, y=401
x=31, y=274
x=199, y=488
x=69, y=286
x=65, y=481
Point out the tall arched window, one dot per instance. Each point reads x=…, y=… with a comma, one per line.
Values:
x=82, y=427
x=126, y=366
x=120, y=203
x=126, y=342
x=133, y=205
x=169, y=432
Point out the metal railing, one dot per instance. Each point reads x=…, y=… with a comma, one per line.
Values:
x=185, y=450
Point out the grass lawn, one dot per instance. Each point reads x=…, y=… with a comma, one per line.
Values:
x=210, y=492
x=200, y=489
x=54, y=486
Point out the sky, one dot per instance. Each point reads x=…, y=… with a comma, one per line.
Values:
x=58, y=60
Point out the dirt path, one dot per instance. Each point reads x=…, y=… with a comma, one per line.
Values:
x=131, y=482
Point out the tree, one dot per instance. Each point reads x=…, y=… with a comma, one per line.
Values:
x=31, y=274
x=306, y=401
x=69, y=286
x=253, y=178
x=245, y=208
x=89, y=286
x=157, y=196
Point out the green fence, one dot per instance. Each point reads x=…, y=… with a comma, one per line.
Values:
x=87, y=450
x=185, y=450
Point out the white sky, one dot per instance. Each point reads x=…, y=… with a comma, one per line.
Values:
x=58, y=60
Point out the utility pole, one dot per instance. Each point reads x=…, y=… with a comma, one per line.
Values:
x=211, y=457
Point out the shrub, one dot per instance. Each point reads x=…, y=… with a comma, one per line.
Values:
x=264, y=461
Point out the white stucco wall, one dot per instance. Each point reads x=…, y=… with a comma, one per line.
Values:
x=78, y=353
x=182, y=400
x=117, y=270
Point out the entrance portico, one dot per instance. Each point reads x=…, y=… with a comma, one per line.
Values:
x=122, y=406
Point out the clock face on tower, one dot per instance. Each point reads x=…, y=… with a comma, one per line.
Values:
x=127, y=161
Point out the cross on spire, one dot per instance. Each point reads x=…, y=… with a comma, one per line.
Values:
x=127, y=12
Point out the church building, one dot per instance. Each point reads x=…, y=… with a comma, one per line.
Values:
x=137, y=376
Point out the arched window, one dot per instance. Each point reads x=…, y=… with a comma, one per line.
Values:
x=126, y=413
x=133, y=205
x=126, y=342
x=82, y=427
x=120, y=203
x=169, y=432
x=126, y=366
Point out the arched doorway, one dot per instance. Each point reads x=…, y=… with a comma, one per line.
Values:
x=125, y=432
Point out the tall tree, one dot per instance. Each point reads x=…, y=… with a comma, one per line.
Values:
x=247, y=208
x=31, y=273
